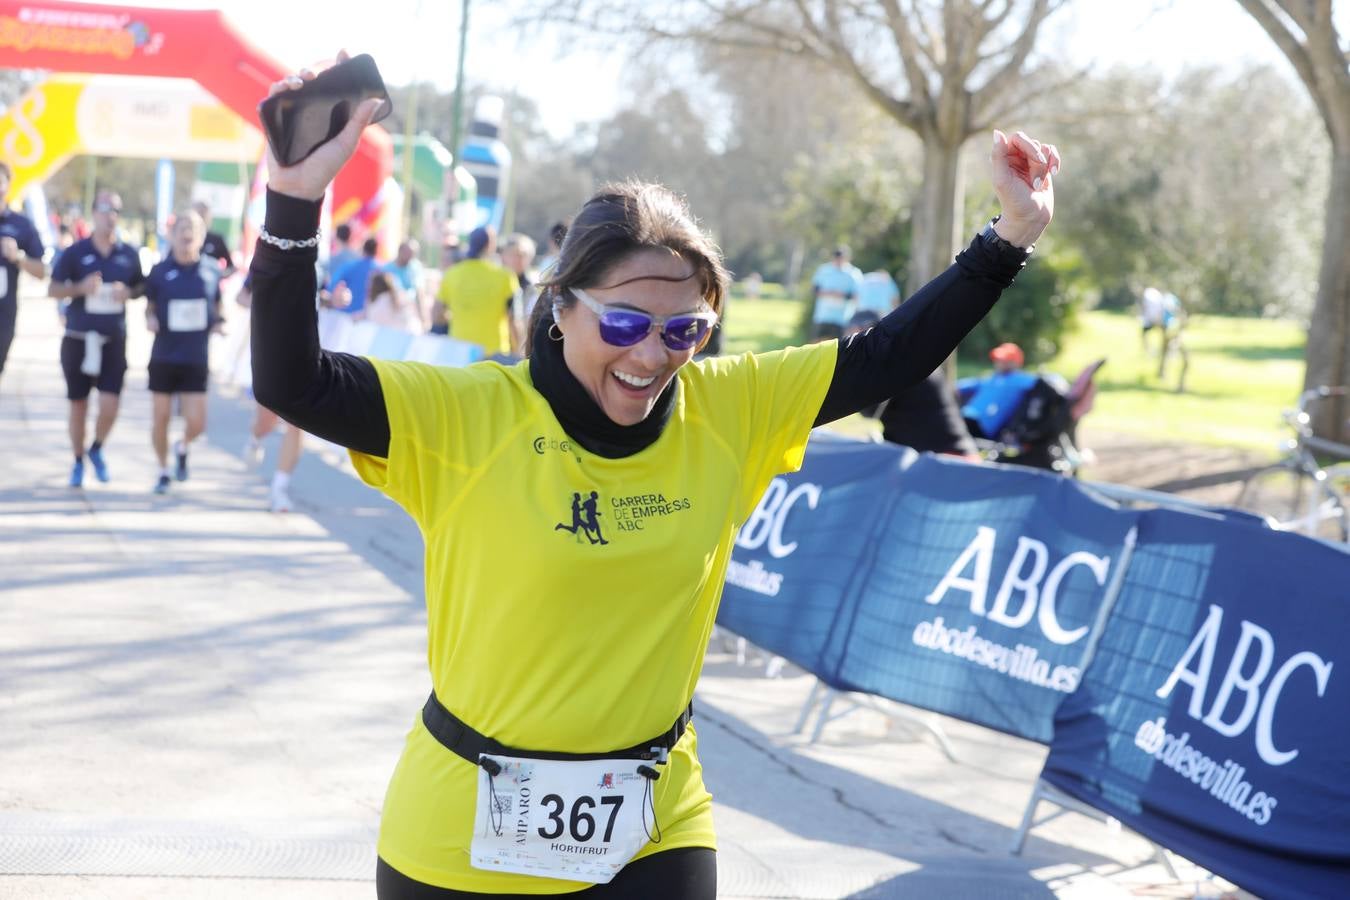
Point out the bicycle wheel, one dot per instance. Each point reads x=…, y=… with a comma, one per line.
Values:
x=1296, y=501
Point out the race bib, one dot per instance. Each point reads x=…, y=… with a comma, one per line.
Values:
x=4, y=281
x=576, y=820
x=188, y=315
x=101, y=302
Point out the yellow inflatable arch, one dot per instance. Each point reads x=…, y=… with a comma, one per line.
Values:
x=118, y=115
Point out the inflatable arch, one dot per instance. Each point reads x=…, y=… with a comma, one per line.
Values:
x=169, y=43
x=113, y=115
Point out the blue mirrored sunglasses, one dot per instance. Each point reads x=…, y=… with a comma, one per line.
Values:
x=624, y=327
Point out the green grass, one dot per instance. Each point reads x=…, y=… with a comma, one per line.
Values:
x=1242, y=374
x=763, y=324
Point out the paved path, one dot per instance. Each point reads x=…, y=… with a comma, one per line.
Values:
x=199, y=699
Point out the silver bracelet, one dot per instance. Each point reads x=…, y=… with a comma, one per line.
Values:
x=287, y=243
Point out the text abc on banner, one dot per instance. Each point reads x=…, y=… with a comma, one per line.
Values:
x=1214, y=717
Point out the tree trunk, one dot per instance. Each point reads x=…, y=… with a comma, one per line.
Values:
x=935, y=219
x=1328, y=351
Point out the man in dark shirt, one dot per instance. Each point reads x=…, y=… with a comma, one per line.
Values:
x=99, y=275
x=924, y=416
x=20, y=248
x=183, y=309
x=214, y=244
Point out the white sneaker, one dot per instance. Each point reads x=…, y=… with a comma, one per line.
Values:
x=281, y=500
x=253, y=451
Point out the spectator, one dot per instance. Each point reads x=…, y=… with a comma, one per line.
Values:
x=355, y=275
x=752, y=286
x=556, y=234
x=1163, y=310
x=517, y=255
x=391, y=306
x=406, y=271
x=879, y=293
x=478, y=295
x=924, y=416
x=994, y=398
x=835, y=287
x=215, y=246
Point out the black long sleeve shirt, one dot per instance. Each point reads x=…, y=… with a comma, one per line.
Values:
x=337, y=396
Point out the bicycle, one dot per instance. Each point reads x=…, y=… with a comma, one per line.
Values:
x=1297, y=493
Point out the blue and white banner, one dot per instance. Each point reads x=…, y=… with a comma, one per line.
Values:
x=966, y=589
x=981, y=593
x=1214, y=716
x=800, y=554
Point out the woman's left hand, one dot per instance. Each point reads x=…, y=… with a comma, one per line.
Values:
x=1022, y=173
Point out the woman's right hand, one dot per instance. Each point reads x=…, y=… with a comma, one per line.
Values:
x=309, y=178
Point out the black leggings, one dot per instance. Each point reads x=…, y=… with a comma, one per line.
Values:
x=685, y=873
x=8, y=313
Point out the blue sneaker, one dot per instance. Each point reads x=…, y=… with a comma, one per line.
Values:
x=162, y=486
x=180, y=472
x=77, y=474
x=100, y=467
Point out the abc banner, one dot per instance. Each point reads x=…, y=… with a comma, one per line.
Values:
x=982, y=590
x=806, y=545
x=1214, y=716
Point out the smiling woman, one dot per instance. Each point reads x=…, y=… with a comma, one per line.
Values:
x=633, y=262
x=579, y=510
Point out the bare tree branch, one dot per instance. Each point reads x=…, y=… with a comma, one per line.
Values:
x=1296, y=52
x=1012, y=105
x=899, y=110
x=1007, y=78
x=920, y=94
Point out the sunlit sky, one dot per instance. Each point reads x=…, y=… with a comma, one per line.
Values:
x=418, y=39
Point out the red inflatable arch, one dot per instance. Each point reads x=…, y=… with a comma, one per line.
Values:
x=197, y=44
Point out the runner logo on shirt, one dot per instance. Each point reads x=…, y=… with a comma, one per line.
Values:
x=585, y=519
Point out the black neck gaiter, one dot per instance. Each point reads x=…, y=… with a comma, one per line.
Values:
x=581, y=418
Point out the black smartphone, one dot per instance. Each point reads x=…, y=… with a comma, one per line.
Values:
x=298, y=122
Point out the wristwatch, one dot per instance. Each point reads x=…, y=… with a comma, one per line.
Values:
x=1004, y=249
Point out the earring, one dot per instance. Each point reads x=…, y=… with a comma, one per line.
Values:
x=554, y=328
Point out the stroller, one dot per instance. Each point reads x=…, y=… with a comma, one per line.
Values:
x=1042, y=431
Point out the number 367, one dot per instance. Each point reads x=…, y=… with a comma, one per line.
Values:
x=580, y=823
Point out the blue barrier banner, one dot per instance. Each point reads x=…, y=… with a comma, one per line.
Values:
x=1214, y=716
x=981, y=589
x=801, y=551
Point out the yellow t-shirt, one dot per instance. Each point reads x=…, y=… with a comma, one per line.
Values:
x=476, y=291
x=570, y=597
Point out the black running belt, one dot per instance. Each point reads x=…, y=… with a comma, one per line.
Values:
x=462, y=740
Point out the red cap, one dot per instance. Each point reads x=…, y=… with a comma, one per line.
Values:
x=1007, y=353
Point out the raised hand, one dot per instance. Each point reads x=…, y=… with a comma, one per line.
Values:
x=310, y=177
x=1022, y=171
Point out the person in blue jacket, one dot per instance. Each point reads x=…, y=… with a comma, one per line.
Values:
x=183, y=309
x=992, y=400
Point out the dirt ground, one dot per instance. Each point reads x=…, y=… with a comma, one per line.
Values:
x=1212, y=475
